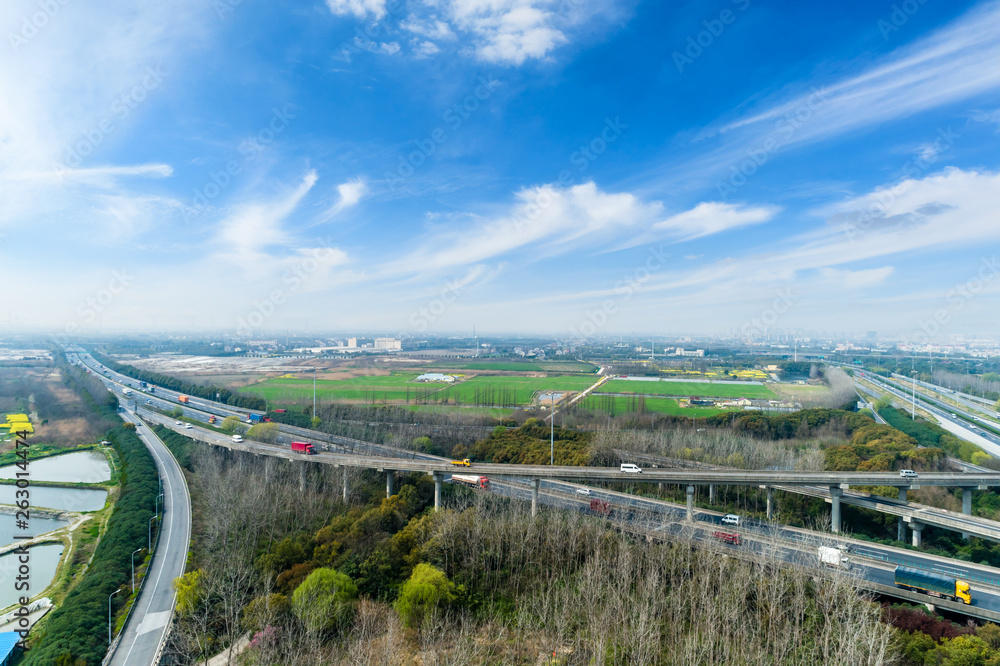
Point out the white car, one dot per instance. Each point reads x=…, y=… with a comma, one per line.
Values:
x=187, y=425
x=237, y=438
x=731, y=519
x=908, y=474
x=178, y=423
x=583, y=491
x=629, y=468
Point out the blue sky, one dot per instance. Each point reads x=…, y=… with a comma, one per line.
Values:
x=561, y=166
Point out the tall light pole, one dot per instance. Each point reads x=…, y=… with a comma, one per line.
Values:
x=552, y=428
x=314, y=391
x=109, y=614
x=137, y=550
x=150, y=548
x=913, y=399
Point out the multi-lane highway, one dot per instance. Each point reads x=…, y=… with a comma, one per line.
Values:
x=642, y=513
x=141, y=641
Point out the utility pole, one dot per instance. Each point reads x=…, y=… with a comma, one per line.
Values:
x=552, y=428
x=913, y=403
x=314, y=391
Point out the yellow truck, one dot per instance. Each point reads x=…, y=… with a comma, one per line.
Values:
x=462, y=463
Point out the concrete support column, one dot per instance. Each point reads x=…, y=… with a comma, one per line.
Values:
x=438, y=479
x=711, y=493
x=690, y=504
x=267, y=469
x=534, y=496
x=835, y=494
x=347, y=489
x=917, y=529
x=770, y=503
x=389, y=478
x=966, y=506
x=900, y=525
x=302, y=477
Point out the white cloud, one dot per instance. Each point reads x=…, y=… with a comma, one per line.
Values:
x=251, y=228
x=350, y=193
x=711, y=217
x=426, y=49
x=509, y=31
x=432, y=28
x=358, y=8
x=856, y=279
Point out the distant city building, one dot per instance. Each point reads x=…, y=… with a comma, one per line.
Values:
x=389, y=344
x=262, y=343
x=352, y=342
x=693, y=352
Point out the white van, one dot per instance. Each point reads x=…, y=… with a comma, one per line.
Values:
x=237, y=438
x=731, y=519
x=908, y=474
x=629, y=468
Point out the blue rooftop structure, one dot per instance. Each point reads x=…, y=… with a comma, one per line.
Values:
x=8, y=640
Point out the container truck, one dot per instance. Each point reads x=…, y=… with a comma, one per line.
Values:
x=728, y=537
x=303, y=447
x=183, y=399
x=472, y=481
x=254, y=418
x=935, y=585
x=833, y=557
x=127, y=391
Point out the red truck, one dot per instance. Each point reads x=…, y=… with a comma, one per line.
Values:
x=600, y=507
x=728, y=537
x=303, y=447
x=472, y=481
x=183, y=399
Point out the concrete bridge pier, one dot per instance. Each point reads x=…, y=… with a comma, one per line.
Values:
x=835, y=495
x=389, y=478
x=438, y=479
x=770, y=503
x=966, y=506
x=690, y=504
x=900, y=525
x=711, y=493
x=302, y=477
x=347, y=489
x=917, y=529
x=534, y=496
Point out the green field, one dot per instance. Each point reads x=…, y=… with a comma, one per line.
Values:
x=509, y=391
x=715, y=390
x=501, y=391
x=622, y=404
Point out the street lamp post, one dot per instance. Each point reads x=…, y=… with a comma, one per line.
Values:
x=552, y=428
x=137, y=550
x=150, y=540
x=913, y=399
x=314, y=392
x=109, y=614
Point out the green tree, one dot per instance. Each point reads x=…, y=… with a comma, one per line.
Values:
x=230, y=423
x=996, y=406
x=177, y=412
x=264, y=432
x=323, y=600
x=189, y=591
x=427, y=589
x=883, y=402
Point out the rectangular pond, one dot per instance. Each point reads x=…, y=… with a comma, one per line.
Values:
x=76, y=467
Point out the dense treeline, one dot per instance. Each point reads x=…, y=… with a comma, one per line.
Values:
x=207, y=392
x=930, y=434
x=530, y=445
x=792, y=424
x=76, y=632
x=882, y=448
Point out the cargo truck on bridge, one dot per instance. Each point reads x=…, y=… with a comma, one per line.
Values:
x=833, y=558
x=303, y=447
x=472, y=481
x=183, y=399
x=933, y=584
